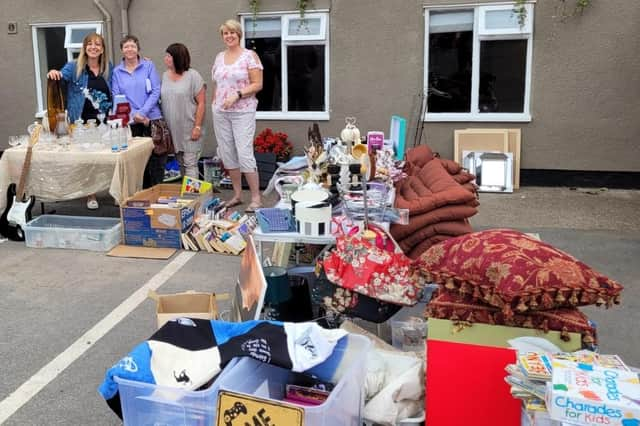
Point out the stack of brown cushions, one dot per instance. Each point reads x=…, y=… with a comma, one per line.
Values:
x=507, y=277
x=440, y=197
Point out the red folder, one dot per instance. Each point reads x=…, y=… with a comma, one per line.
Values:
x=465, y=385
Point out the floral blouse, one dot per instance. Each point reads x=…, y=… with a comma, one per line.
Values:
x=234, y=77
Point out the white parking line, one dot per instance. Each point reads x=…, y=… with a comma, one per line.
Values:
x=38, y=381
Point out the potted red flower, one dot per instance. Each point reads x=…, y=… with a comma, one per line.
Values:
x=276, y=143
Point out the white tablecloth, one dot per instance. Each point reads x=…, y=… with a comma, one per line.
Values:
x=57, y=175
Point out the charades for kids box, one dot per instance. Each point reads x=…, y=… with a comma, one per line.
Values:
x=584, y=394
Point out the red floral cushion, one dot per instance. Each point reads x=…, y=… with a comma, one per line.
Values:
x=515, y=272
x=463, y=309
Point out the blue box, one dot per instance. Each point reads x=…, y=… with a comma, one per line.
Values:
x=158, y=225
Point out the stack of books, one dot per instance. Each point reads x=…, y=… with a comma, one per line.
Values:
x=580, y=388
x=219, y=230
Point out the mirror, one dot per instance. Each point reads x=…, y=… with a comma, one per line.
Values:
x=493, y=170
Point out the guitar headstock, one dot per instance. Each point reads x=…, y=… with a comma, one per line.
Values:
x=34, y=133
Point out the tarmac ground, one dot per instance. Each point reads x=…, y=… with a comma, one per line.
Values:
x=68, y=315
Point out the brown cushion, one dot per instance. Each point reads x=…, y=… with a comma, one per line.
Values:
x=455, y=307
x=453, y=228
x=430, y=188
x=416, y=158
x=513, y=271
x=441, y=214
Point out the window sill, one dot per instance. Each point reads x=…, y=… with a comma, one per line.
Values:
x=319, y=116
x=522, y=118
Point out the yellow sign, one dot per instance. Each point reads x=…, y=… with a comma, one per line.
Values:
x=235, y=409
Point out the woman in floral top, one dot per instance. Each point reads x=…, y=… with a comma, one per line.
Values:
x=237, y=77
x=88, y=86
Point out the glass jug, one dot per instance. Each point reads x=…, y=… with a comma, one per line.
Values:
x=62, y=128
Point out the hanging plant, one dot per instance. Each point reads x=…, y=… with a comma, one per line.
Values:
x=254, y=6
x=563, y=10
x=303, y=6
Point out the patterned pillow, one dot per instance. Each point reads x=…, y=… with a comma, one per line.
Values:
x=515, y=272
x=463, y=309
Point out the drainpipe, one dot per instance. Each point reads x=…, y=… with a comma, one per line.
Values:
x=109, y=32
x=124, y=13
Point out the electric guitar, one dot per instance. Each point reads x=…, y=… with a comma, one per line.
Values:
x=18, y=210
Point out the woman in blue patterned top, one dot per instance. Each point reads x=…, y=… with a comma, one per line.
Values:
x=88, y=85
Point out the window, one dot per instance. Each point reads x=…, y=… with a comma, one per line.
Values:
x=477, y=64
x=295, y=56
x=53, y=46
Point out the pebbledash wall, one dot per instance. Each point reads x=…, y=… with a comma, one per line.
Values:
x=585, y=73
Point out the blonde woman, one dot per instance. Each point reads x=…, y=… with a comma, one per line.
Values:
x=88, y=85
x=90, y=71
x=237, y=77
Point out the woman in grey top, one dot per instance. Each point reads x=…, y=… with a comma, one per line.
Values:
x=183, y=96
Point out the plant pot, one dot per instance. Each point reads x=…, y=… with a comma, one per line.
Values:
x=267, y=165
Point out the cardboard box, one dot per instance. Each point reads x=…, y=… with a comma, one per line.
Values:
x=496, y=335
x=592, y=395
x=190, y=304
x=465, y=372
x=146, y=224
x=465, y=385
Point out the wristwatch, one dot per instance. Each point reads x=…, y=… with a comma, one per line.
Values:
x=239, y=94
x=197, y=127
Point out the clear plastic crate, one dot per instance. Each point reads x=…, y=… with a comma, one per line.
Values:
x=346, y=368
x=149, y=404
x=377, y=201
x=73, y=232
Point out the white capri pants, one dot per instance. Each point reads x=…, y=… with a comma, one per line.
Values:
x=235, y=132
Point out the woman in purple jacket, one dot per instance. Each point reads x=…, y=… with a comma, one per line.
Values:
x=137, y=79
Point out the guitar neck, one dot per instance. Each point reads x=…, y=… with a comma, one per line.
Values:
x=23, y=175
x=27, y=163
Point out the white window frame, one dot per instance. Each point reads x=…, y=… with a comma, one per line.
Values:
x=70, y=47
x=69, y=29
x=525, y=28
x=286, y=24
x=293, y=41
x=524, y=33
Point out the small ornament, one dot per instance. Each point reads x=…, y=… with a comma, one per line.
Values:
x=350, y=134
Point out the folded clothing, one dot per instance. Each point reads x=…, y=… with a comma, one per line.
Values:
x=461, y=308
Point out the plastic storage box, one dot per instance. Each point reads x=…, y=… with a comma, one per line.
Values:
x=149, y=404
x=409, y=335
x=74, y=232
x=346, y=368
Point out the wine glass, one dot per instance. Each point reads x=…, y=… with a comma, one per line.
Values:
x=14, y=140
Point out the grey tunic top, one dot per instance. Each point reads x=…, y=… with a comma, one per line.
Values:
x=179, y=108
